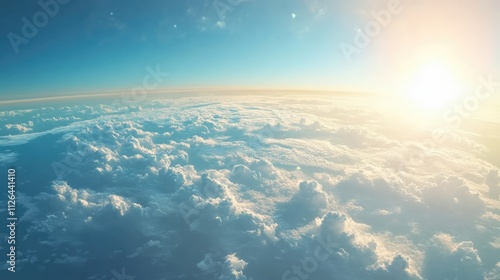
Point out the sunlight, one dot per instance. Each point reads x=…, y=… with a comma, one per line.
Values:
x=433, y=86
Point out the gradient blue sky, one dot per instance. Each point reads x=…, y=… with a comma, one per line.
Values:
x=105, y=45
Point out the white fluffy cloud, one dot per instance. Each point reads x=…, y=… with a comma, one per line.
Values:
x=234, y=188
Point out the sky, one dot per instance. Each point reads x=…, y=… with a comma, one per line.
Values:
x=105, y=46
x=221, y=186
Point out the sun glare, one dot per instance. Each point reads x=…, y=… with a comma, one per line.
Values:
x=433, y=86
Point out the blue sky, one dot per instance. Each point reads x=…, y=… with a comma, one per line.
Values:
x=97, y=46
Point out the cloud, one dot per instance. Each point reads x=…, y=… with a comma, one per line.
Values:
x=233, y=268
x=307, y=204
x=450, y=260
x=232, y=188
x=8, y=158
x=20, y=128
x=493, y=182
x=220, y=24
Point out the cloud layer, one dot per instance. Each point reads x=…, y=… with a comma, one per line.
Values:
x=248, y=188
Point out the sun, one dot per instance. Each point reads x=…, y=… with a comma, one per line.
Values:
x=433, y=86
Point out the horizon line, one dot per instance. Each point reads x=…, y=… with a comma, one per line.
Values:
x=111, y=93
